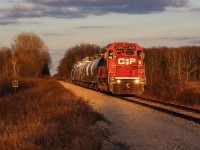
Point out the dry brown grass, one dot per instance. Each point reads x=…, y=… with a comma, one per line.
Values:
x=46, y=116
x=194, y=86
x=190, y=96
x=5, y=86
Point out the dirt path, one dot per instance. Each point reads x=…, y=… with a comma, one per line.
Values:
x=137, y=127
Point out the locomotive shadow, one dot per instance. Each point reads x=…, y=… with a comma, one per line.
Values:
x=117, y=95
x=125, y=95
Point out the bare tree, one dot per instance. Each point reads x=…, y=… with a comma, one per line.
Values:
x=183, y=63
x=152, y=64
x=190, y=62
x=174, y=64
x=31, y=54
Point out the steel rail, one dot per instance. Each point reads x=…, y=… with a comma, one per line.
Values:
x=165, y=110
x=170, y=104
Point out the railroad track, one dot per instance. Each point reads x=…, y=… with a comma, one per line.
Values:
x=169, y=108
x=183, y=112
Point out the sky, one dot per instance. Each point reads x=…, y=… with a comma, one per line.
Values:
x=62, y=24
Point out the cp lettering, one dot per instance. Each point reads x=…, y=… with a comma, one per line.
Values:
x=127, y=61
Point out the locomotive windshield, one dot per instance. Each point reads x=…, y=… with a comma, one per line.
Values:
x=129, y=52
x=120, y=52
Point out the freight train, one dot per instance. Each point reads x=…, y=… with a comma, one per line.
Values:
x=120, y=70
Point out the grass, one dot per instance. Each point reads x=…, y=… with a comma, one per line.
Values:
x=5, y=86
x=190, y=96
x=194, y=86
x=46, y=116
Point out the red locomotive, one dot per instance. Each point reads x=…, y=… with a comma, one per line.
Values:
x=119, y=71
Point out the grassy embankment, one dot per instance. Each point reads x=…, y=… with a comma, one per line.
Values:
x=43, y=115
x=189, y=97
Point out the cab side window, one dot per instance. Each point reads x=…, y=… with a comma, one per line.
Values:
x=139, y=54
x=110, y=54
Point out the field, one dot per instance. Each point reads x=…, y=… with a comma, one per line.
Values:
x=43, y=115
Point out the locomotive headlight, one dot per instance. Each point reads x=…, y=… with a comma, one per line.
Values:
x=118, y=81
x=137, y=81
x=112, y=79
x=139, y=62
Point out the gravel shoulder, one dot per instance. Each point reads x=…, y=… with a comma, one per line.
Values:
x=137, y=127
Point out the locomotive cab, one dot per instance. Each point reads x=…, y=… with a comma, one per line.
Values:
x=125, y=65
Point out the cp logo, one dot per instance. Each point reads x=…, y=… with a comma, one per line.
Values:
x=127, y=61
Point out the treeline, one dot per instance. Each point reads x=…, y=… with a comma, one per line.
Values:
x=74, y=55
x=173, y=73
x=27, y=56
x=5, y=70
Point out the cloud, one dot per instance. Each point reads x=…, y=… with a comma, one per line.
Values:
x=83, y=8
x=194, y=41
x=197, y=9
x=92, y=27
x=52, y=34
x=185, y=40
x=99, y=7
x=6, y=22
x=21, y=11
x=15, y=22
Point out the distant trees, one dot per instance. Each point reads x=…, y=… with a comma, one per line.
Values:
x=31, y=54
x=73, y=55
x=5, y=61
x=153, y=62
x=28, y=56
x=5, y=69
x=183, y=64
x=170, y=70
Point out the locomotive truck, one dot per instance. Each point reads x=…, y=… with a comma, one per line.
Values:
x=120, y=70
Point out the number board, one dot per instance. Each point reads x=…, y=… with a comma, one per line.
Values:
x=131, y=47
x=119, y=47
